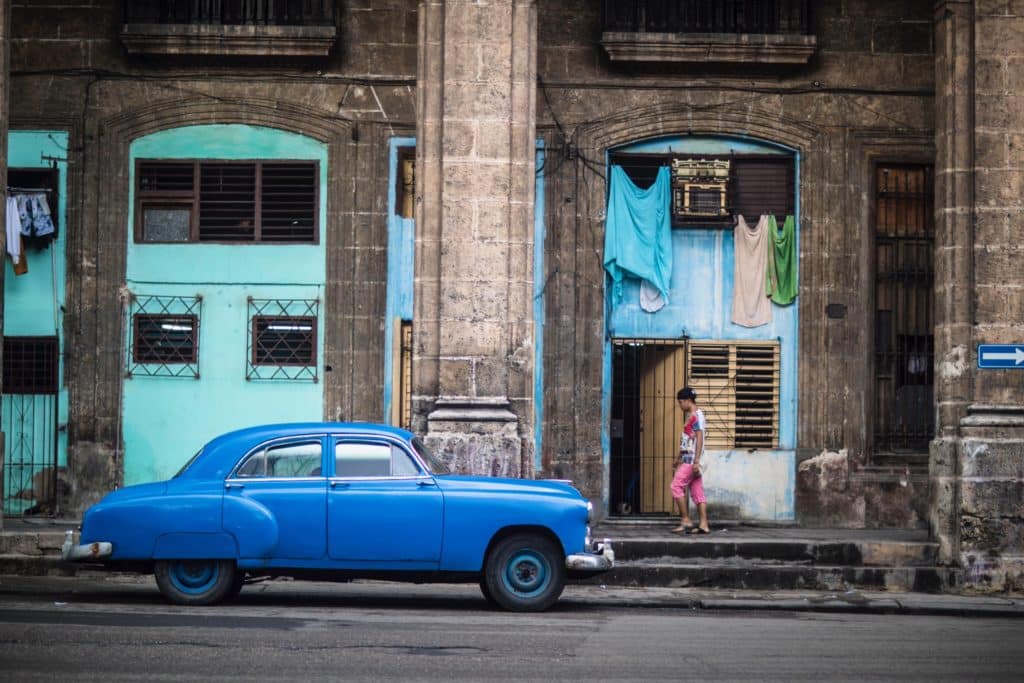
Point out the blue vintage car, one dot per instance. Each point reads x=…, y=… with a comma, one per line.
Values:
x=337, y=502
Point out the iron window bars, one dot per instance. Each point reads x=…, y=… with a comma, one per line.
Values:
x=282, y=339
x=255, y=12
x=164, y=336
x=708, y=16
x=227, y=201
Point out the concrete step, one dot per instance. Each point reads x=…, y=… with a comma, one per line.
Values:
x=779, y=576
x=31, y=543
x=856, y=553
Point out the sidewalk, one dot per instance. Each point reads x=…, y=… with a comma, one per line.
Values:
x=96, y=587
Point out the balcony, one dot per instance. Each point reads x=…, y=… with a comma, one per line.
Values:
x=286, y=28
x=708, y=31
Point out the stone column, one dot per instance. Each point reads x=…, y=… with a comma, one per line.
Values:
x=954, y=215
x=978, y=456
x=5, y=89
x=473, y=329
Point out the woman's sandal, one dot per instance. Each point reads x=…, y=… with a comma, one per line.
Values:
x=697, y=530
x=683, y=529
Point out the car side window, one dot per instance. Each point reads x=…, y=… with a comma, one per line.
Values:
x=401, y=464
x=287, y=460
x=353, y=459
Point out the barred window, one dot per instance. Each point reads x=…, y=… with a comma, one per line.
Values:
x=30, y=365
x=163, y=336
x=227, y=201
x=282, y=339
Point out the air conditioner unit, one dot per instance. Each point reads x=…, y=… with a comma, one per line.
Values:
x=699, y=188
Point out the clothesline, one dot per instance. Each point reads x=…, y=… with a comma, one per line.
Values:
x=23, y=190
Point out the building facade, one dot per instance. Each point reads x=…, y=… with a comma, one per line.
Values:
x=433, y=213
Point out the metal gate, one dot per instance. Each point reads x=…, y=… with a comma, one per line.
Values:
x=645, y=423
x=29, y=422
x=904, y=321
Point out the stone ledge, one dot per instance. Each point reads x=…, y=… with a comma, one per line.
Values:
x=709, y=47
x=242, y=41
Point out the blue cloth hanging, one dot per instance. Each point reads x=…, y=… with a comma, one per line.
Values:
x=638, y=232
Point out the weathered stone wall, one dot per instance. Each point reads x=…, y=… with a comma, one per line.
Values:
x=977, y=459
x=866, y=95
x=474, y=333
x=69, y=71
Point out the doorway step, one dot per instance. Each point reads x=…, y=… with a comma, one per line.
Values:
x=774, y=558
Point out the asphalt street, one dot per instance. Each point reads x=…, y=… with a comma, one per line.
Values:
x=306, y=631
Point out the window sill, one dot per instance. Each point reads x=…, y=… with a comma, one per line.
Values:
x=241, y=41
x=683, y=48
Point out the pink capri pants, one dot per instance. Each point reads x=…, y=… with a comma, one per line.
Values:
x=683, y=480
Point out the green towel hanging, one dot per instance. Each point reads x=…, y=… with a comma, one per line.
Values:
x=780, y=280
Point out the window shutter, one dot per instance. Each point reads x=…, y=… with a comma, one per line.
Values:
x=166, y=177
x=288, y=202
x=763, y=186
x=737, y=386
x=227, y=202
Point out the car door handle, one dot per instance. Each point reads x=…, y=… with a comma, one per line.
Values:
x=234, y=486
x=426, y=482
x=339, y=484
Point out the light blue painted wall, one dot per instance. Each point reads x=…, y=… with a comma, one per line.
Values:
x=34, y=302
x=539, y=283
x=166, y=420
x=401, y=258
x=699, y=307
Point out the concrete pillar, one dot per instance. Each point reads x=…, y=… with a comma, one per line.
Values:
x=977, y=458
x=5, y=89
x=473, y=329
x=954, y=215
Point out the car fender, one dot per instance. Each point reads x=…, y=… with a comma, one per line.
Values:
x=252, y=525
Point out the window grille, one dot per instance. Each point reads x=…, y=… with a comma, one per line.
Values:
x=282, y=339
x=164, y=336
x=227, y=201
x=30, y=365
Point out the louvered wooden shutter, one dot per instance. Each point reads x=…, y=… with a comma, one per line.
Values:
x=763, y=186
x=227, y=202
x=288, y=202
x=737, y=386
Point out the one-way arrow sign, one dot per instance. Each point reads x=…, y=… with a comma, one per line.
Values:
x=1001, y=356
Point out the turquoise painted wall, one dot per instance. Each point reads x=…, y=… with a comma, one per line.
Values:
x=699, y=306
x=34, y=302
x=166, y=420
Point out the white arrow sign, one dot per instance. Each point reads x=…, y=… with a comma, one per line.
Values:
x=1017, y=355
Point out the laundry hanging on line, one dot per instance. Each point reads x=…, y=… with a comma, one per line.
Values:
x=34, y=213
x=750, y=306
x=638, y=233
x=13, y=233
x=781, y=280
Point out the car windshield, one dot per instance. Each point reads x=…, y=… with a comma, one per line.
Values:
x=188, y=464
x=435, y=465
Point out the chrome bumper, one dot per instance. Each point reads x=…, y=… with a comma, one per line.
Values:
x=72, y=552
x=600, y=560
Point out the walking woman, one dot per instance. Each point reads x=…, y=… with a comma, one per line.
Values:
x=687, y=481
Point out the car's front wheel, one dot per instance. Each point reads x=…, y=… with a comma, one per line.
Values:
x=524, y=573
x=195, y=582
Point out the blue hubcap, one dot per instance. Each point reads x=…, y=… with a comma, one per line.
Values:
x=194, y=577
x=526, y=574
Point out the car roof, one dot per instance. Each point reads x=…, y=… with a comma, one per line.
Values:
x=220, y=454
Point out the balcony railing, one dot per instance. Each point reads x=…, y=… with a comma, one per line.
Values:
x=231, y=12
x=707, y=16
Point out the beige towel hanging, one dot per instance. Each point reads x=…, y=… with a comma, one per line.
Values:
x=751, y=307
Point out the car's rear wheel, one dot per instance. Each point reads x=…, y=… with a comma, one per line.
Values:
x=524, y=573
x=195, y=582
